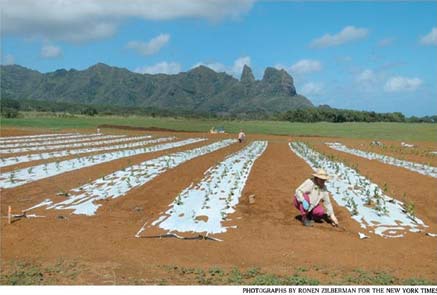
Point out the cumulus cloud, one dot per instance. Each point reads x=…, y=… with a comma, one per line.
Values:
x=151, y=47
x=369, y=80
x=235, y=69
x=348, y=34
x=398, y=83
x=51, y=51
x=312, y=88
x=430, y=38
x=366, y=76
x=9, y=59
x=160, y=68
x=305, y=66
x=78, y=21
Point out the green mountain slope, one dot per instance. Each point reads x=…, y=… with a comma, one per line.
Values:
x=199, y=90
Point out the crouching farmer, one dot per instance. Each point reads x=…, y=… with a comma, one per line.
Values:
x=309, y=196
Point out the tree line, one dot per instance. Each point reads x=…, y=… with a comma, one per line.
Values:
x=326, y=114
x=10, y=108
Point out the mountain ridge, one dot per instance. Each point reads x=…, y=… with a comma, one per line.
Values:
x=199, y=89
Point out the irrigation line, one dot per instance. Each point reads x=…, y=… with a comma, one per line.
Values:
x=173, y=235
x=338, y=228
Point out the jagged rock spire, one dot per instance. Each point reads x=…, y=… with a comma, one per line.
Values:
x=247, y=75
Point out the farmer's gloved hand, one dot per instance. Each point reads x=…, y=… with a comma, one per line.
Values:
x=334, y=220
x=305, y=205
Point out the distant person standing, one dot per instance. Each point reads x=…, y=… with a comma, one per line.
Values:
x=241, y=136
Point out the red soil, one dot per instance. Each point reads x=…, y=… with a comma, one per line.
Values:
x=268, y=235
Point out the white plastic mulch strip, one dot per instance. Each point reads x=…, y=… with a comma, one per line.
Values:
x=367, y=203
x=118, y=138
x=51, y=138
x=22, y=176
x=416, y=167
x=4, y=162
x=81, y=138
x=83, y=199
x=35, y=137
x=202, y=207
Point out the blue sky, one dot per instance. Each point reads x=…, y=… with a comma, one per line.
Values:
x=357, y=55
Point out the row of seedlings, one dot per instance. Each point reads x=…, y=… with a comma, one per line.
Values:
x=4, y=162
x=6, y=147
x=367, y=203
x=118, y=139
x=203, y=207
x=24, y=138
x=412, y=166
x=82, y=200
x=52, y=138
x=26, y=175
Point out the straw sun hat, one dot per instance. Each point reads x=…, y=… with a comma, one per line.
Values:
x=320, y=173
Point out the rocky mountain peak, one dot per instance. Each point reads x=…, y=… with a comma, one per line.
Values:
x=201, y=89
x=100, y=66
x=247, y=75
x=278, y=82
x=202, y=70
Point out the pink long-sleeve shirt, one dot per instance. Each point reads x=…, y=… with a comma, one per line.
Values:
x=316, y=195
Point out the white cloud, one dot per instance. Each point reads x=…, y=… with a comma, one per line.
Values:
x=348, y=34
x=235, y=69
x=312, y=88
x=280, y=67
x=386, y=42
x=78, y=21
x=366, y=76
x=239, y=63
x=398, y=83
x=430, y=39
x=369, y=81
x=305, y=66
x=151, y=47
x=9, y=59
x=160, y=68
x=51, y=51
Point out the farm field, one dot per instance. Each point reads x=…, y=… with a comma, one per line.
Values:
x=164, y=207
x=376, y=131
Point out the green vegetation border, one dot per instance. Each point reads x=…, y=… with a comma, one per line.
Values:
x=374, y=131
